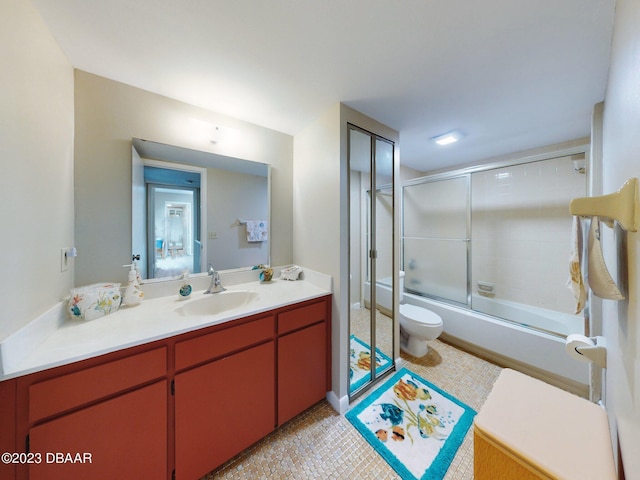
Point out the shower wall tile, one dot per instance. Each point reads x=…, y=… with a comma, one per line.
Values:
x=521, y=228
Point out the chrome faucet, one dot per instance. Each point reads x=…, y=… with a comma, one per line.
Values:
x=216, y=285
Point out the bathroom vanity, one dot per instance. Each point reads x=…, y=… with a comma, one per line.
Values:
x=176, y=407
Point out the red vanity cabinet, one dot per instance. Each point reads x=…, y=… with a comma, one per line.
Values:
x=228, y=403
x=173, y=408
x=101, y=418
x=303, y=358
x=123, y=437
x=7, y=425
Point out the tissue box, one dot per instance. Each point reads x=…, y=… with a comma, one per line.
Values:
x=94, y=301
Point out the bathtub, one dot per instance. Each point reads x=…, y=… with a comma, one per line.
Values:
x=384, y=294
x=542, y=319
x=526, y=342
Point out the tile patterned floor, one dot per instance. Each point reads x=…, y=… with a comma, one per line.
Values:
x=361, y=328
x=321, y=444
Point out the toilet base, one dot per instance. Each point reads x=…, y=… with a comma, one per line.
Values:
x=413, y=346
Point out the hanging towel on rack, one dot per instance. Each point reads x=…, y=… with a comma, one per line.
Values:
x=576, y=280
x=598, y=276
x=257, y=230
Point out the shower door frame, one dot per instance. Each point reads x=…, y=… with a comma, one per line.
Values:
x=467, y=240
x=579, y=150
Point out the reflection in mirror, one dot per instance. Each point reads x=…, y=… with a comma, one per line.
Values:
x=193, y=208
x=359, y=240
x=371, y=258
x=173, y=221
x=384, y=248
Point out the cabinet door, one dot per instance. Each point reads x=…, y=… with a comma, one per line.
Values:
x=7, y=425
x=302, y=370
x=222, y=408
x=124, y=437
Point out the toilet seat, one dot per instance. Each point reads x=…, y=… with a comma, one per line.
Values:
x=420, y=315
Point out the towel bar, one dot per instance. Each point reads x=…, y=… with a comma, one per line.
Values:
x=621, y=206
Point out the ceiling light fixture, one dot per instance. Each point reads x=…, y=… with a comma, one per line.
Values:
x=201, y=131
x=448, y=138
x=214, y=135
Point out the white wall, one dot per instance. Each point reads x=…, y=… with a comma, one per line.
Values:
x=621, y=161
x=36, y=152
x=316, y=219
x=108, y=114
x=321, y=220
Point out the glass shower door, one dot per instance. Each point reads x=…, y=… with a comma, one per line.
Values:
x=436, y=239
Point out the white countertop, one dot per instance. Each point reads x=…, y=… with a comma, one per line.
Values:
x=154, y=319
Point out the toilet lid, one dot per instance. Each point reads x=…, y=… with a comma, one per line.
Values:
x=420, y=314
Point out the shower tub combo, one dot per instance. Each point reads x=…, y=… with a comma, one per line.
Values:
x=529, y=341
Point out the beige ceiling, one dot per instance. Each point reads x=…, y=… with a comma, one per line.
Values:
x=510, y=74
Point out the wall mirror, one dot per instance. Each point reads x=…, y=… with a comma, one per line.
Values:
x=371, y=247
x=192, y=208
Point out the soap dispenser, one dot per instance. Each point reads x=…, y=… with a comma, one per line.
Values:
x=185, y=288
x=133, y=294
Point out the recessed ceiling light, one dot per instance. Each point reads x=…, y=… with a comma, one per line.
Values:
x=448, y=138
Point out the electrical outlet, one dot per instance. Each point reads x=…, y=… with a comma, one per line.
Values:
x=64, y=260
x=213, y=235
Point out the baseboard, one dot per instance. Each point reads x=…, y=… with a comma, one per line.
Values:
x=340, y=405
x=399, y=363
x=563, y=383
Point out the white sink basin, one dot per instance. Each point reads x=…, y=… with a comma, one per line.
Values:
x=215, y=303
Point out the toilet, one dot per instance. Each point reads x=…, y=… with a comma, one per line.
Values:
x=417, y=326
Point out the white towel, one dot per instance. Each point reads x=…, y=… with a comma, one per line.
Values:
x=576, y=281
x=257, y=230
x=598, y=276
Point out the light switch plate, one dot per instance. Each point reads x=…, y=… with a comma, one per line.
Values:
x=64, y=260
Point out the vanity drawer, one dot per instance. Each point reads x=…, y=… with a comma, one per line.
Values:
x=302, y=316
x=72, y=390
x=206, y=347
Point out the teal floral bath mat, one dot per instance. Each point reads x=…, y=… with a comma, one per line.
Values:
x=360, y=363
x=414, y=425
